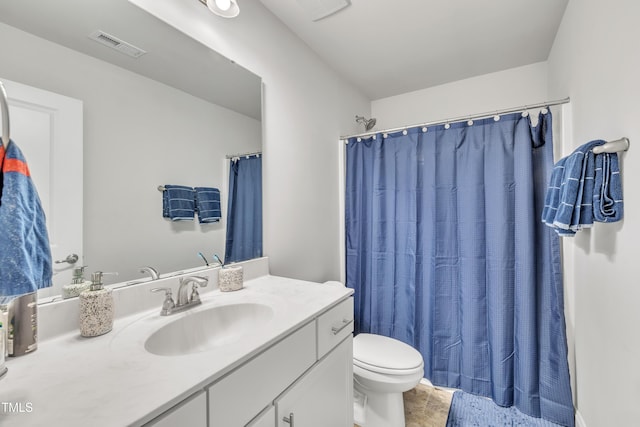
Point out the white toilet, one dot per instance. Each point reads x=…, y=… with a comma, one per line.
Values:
x=383, y=368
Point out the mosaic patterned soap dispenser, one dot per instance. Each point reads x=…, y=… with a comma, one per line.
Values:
x=96, y=308
x=78, y=284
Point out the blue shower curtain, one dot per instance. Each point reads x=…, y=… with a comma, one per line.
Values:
x=446, y=252
x=244, y=210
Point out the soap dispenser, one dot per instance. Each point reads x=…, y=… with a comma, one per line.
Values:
x=78, y=284
x=96, y=308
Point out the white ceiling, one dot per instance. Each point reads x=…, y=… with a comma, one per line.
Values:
x=387, y=48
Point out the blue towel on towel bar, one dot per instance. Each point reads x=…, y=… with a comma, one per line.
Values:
x=24, y=241
x=178, y=203
x=607, y=199
x=552, y=198
x=208, y=204
x=578, y=194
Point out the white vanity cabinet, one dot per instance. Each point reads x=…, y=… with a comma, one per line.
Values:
x=249, y=372
x=324, y=395
x=304, y=379
x=191, y=412
x=308, y=373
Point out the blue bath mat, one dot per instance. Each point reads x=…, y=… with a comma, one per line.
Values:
x=468, y=410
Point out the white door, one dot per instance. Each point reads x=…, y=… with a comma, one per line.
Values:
x=48, y=129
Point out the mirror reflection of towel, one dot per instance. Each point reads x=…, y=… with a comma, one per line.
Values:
x=208, y=204
x=178, y=203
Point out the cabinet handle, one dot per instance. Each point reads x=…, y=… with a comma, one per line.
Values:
x=345, y=322
x=289, y=419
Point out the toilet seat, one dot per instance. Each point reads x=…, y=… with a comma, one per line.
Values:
x=382, y=370
x=384, y=355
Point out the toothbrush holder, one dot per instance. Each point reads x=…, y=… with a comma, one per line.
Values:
x=230, y=278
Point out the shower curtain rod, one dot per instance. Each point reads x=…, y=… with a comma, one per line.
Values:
x=233, y=156
x=461, y=118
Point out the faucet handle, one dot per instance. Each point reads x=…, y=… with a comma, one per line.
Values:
x=197, y=281
x=168, y=305
x=195, y=296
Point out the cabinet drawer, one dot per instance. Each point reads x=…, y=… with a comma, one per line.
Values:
x=334, y=326
x=191, y=412
x=238, y=397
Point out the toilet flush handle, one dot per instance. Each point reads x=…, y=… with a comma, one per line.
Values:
x=289, y=419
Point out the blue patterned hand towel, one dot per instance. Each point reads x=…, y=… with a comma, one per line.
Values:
x=607, y=199
x=580, y=191
x=178, y=203
x=24, y=242
x=552, y=198
x=208, y=204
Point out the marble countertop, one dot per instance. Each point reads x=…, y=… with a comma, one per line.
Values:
x=112, y=380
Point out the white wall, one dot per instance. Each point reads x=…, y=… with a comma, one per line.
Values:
x=595, y=61
x=504, y=89
x=307, y=106
x=138, y=134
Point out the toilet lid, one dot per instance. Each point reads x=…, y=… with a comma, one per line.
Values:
x=376, y=352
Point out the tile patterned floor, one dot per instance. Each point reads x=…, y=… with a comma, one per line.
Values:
x=426, y=406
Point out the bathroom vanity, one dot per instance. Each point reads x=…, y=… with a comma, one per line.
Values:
x=276, y=353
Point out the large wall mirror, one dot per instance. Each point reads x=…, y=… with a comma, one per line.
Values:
x=169, y=116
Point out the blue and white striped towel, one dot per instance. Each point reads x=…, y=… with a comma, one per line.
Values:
x=580, y=191
x=178, y=203
x=608, y=205
x=208, y=204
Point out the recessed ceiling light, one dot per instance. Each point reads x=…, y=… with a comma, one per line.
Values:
x=224, y=8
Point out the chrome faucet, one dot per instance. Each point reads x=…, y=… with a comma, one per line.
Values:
x=185, y=300
x=183, y=291
x=152, y=272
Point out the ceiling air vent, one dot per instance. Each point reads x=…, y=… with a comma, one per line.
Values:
x=319, y=9
x=117, y=44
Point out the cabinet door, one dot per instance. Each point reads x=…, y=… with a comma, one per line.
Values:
x=265, y=419
x=324, y=395
x=238, y=397
x=191, y=412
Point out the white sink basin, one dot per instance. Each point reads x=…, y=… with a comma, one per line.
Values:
x=207, y=329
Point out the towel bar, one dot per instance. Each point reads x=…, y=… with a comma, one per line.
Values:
x=621, y=144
